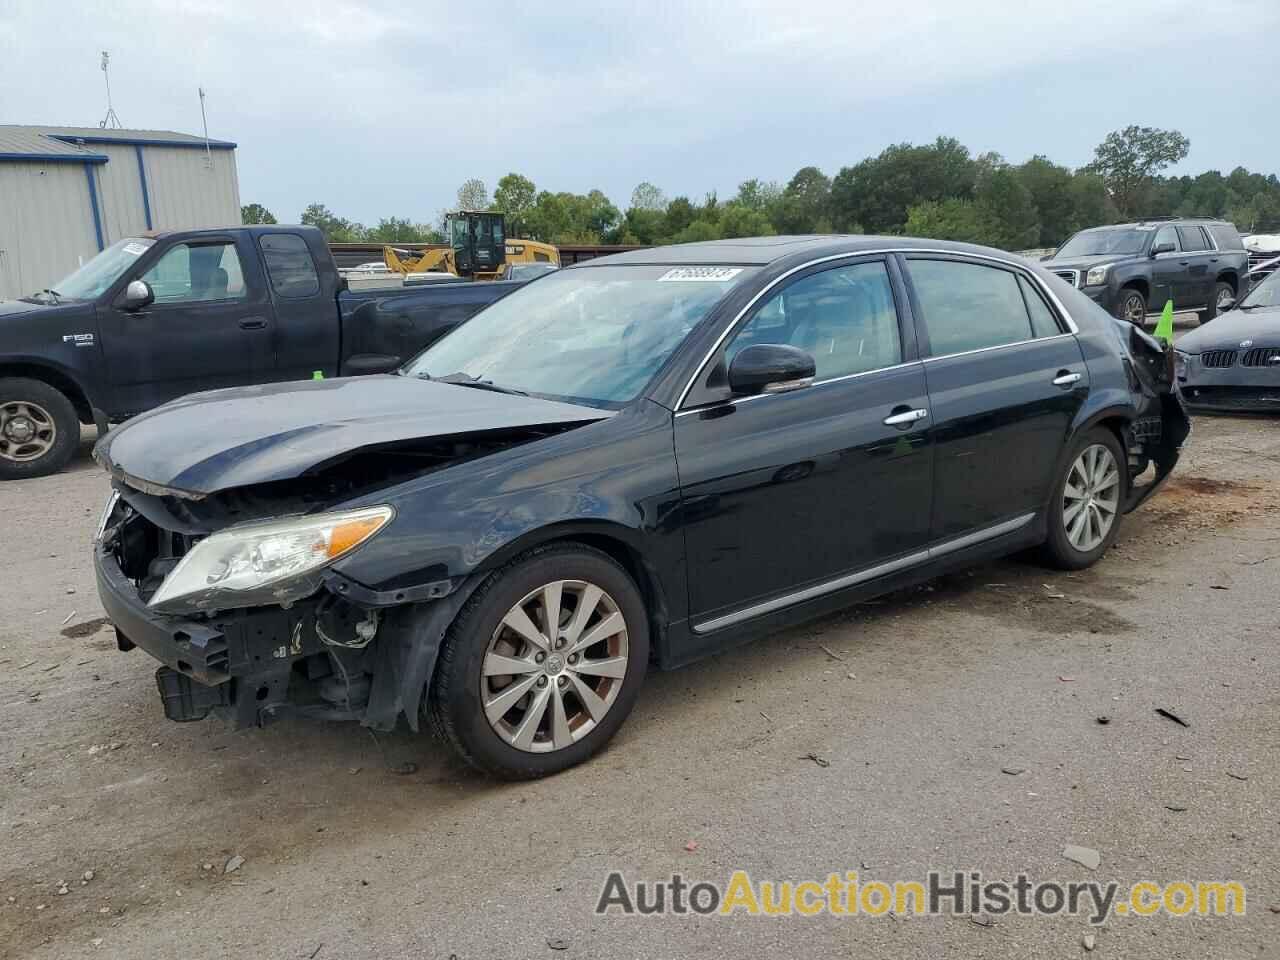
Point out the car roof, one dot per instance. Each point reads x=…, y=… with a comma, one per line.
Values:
x=761, y=251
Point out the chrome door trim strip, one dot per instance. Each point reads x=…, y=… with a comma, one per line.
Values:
x=817, y=383
x=862, y=576
x=1063, y=313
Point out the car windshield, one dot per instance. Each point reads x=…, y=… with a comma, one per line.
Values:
x=1101, y=243
x=1265, y=294
x=93, y=278
x=594, y=334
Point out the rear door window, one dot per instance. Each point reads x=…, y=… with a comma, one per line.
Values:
x=969, y=306
x=289, y=265
x=1192, y=238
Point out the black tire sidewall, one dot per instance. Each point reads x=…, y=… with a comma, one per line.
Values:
x=1061, y=552
x=65, y=420
x=454, y=700
x=1211, y=309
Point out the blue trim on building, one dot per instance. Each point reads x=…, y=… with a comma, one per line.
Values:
x=142, y=178
x=141, y=142
x=56, y=157
x=93, y=205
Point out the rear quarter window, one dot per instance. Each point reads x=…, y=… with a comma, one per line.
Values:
x=969, y=306
x=289, y=265
x=1226, y=236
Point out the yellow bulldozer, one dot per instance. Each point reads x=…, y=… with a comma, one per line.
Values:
x=478, y=248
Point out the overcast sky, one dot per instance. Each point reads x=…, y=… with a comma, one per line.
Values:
x=382, y=109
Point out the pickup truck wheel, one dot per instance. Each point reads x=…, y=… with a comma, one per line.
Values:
x=1132, y=306
x=542, y=664
x=39, y=429
x=1084, y=514
x=1222, y=293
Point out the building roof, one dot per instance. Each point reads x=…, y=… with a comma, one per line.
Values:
x=75, y=144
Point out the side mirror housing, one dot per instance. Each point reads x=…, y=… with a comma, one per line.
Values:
x=138, y=295
x=1160, y=248
x=770, y=368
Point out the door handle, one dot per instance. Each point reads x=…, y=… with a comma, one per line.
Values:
x=253, y=323
x=1183, y=263
x=1066, y=378
x=905, y=418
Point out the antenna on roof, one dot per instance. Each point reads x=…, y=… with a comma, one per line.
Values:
x=208, y=154
x=110, y=120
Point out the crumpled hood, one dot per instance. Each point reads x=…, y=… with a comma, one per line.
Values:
x=1232, y=328
x=246, y=435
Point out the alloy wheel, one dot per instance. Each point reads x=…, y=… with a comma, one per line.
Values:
x=1135, y=309
x=1091, y=497
x=1225, y=296
x=554, y=666
x=27, y=431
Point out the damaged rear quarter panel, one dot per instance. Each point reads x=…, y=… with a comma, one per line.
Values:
x=614, y=478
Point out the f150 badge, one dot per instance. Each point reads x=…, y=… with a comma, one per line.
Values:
x=79, y=339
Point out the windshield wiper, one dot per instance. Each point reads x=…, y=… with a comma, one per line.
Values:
x=466, y=380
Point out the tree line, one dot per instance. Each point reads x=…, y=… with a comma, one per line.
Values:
x=937, y=190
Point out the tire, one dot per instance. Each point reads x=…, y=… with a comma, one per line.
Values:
x=460, y=689
x=1222, y=290
x=1132, y=306
x=1070, y=546
x=39, y=429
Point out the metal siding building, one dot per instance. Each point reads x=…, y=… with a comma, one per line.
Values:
x=68, y=192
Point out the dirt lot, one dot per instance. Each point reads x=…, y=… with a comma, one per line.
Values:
x=915, y=703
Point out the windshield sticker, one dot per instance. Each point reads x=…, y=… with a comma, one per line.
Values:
x=700, y=275
x=135, y=249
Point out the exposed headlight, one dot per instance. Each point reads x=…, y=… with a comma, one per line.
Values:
x=261, y=563
x=1096, y=275
x=1180, y=362
x=106, y=515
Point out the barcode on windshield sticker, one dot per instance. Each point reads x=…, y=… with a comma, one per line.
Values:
x=135, y=249
x=699, y=274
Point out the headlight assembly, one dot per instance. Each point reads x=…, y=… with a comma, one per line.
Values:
x=254, y=564
x=1096, y=275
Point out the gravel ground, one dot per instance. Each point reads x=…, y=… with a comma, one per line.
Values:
x=916, y=703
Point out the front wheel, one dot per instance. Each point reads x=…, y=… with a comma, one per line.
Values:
x=1132, y=306
x=39, y=430
x=1084, y=514
x=542, y=664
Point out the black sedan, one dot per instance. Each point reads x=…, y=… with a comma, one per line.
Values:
x=639, y=460
x=1233, y=364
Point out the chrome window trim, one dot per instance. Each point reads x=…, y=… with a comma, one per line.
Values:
x=1055, y=302
x=862, y=576
x=998, y=346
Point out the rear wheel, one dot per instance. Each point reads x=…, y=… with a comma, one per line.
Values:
x=1084, y=514
x=1223, y=293
x=543, y=663
x=1132, y=306
x=39, y=429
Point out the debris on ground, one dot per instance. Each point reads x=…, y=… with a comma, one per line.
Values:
x=67, y=618
x=982, y=921
x=233, y=864
x=820, y=761
x=558, y=944
x=1175, y=809
x=1218, y=586
x=1103, y=719
x=1236, y=776
x=86, y=876
x=62, y=888
x=1067, y=679
x=1089, y=941
x=1013, y=771
x=691, y=846
x=1085, y=856
x=1170, y=715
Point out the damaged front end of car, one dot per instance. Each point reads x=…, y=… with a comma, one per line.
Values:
x=237, y=590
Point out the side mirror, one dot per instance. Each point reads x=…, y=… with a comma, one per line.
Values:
x=138, y=295
x=1160, y=248
x=770, y=368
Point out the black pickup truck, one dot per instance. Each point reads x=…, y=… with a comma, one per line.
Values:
x=158, y=316
x=1134, y=269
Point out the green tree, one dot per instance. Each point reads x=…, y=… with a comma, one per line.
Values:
x=334, y=228
x=1005, y=209
x=256, y=213
x=1128, y=159
x=397, y=230
x=737, y=220
x=515, y=196
x=1090, y=201
x=804, y=206
x=648, y=197
x=473, y=195
x=877, y=192
x=680, y=213
x=950, y=219
x=1049, y=186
